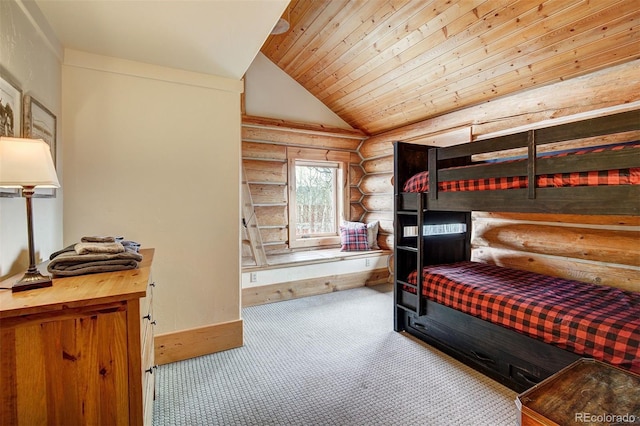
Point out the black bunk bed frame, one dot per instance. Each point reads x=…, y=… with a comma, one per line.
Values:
x=511, y=358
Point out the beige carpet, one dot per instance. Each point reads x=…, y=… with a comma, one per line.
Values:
x=332, y=359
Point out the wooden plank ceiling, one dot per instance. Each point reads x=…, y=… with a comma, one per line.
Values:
x=382, y=64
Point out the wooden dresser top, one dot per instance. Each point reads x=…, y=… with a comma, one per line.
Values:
x=585, y=388
x=73, y=292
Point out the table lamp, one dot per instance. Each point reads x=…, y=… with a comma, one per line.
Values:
x=27, y=164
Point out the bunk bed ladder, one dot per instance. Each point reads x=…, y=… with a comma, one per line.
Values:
x=419, y=254
x=409, y=254
x=531, y=164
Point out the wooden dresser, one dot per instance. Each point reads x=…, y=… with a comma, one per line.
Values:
x=79, y=352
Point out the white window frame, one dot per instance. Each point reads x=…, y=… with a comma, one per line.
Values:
x=311, y=155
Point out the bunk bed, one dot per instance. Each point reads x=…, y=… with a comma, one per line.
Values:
x=436, y=189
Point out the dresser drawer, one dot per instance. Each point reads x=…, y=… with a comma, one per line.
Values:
x=480, y=353
x=145, y=305
x=527, y=375
x=148, y=379
x=147, y=323
x=146, y=314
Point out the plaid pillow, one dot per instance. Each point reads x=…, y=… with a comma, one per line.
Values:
x=354, y=239
x=372, y=231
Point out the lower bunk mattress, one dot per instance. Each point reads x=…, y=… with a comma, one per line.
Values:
x=592, y=321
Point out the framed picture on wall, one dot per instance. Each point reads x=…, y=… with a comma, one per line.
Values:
x=10, y=116
x=40, y=123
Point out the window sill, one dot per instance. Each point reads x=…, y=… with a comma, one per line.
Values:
x=310, y=257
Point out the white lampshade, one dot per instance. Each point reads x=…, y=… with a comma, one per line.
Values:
x=26, y=162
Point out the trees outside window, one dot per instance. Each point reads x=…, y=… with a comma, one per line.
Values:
x=316, y=198
x=317, y=180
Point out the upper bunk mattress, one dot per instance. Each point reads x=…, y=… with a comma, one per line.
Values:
x=589, y=320
x=631, y=176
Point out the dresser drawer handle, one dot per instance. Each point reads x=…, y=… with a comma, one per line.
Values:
x=150, y=369
x=148, y=316
x=153, y=284
x=483, y=358
x=153, y=322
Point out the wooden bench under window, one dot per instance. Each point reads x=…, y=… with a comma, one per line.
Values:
x=306, y=273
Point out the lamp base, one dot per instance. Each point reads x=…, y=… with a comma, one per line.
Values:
x=32, y=280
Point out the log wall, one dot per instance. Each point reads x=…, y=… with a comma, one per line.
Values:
x=264, y=159
x=596, y=249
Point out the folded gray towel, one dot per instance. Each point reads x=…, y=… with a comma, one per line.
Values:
x=87, y=248
x=72, y=248
x=70, y=263
x=132, y=245
x=96, y=239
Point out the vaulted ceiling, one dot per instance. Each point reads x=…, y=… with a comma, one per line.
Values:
x=382, y=64
x=378, y=64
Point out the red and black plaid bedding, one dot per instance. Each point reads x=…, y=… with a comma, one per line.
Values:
x=630, y=176
x=590, y=320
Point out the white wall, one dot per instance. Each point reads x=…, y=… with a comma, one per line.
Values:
x=32, y=57
x=153, y=154
x=271, y=93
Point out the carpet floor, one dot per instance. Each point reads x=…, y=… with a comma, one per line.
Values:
x=332, y=359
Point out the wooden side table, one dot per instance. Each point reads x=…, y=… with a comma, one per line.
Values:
x=587, y=392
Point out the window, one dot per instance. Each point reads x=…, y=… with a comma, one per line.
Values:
x=316, y=198
x=317, y=204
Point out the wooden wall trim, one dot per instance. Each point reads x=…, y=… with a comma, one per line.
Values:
x=309, y=287
x=185, y=344
x=450, y=137
x=298, y=138
x=288, y=126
